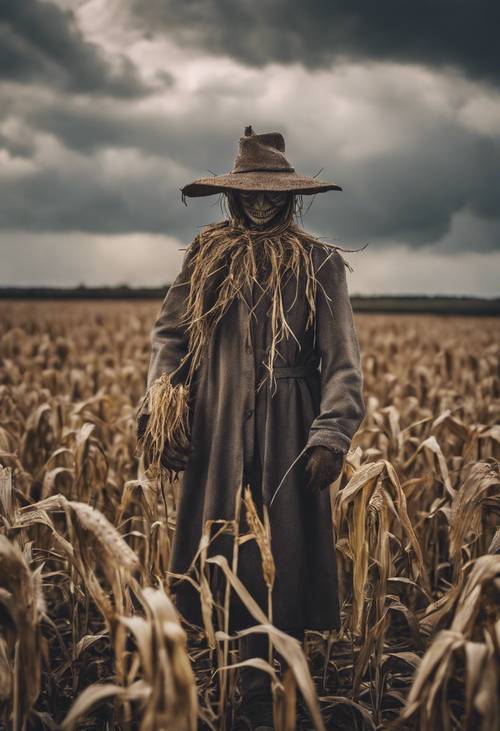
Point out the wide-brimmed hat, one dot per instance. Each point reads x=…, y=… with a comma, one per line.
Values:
x=260, y=165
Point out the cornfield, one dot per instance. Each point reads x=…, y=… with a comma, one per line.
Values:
x=89, y=637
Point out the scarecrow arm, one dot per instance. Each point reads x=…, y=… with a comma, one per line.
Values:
x=162, y=415
x=342, y=407
x=169, y=342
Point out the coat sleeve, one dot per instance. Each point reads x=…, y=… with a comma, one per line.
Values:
x=342, y=406
x=169, y=338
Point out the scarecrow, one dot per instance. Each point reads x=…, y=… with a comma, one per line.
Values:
x=255, y=379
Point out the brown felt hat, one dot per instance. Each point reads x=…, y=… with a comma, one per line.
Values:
x=260, y=165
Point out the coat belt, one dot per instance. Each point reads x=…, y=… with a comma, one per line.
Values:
x=297, y=371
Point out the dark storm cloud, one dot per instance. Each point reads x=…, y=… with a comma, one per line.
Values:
x=17, y=148
x=116, y=173
x=90, y=129
x=416, y=152
x=413, y=195
x=79, y=194
x=41, y=43
x=458, y=33
x=380, y=203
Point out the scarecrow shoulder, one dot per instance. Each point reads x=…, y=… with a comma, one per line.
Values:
x=328, y=262
x=207, y=233
x=324, y=255
x=191, y=250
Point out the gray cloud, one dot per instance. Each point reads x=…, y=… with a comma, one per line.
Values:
x=109, y=169
x=41, y=43
x=68, y=259
x=413, y=196
x=90, y=156
x=89, y=129
x=74, y=258
x=431, y=32
x=93, y=194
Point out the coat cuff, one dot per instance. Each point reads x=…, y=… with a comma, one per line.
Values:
x=333, y=440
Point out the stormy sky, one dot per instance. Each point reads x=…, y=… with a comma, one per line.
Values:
x=108, y=107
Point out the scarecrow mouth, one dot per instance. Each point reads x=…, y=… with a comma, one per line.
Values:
x=266, y=213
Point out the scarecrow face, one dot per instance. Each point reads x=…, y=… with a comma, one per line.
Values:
x=261, y=207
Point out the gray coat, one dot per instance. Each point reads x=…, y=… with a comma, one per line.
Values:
x=259, y=436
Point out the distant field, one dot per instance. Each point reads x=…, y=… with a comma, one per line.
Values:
x=84, y=543
x=432, y=305
x=389, y=303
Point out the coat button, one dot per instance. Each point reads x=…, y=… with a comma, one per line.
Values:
x=248, y=413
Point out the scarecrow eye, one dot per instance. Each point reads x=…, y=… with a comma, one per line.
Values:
x=276, y=198
x=247, y=196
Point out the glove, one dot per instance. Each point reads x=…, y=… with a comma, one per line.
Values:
x=323, y=467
